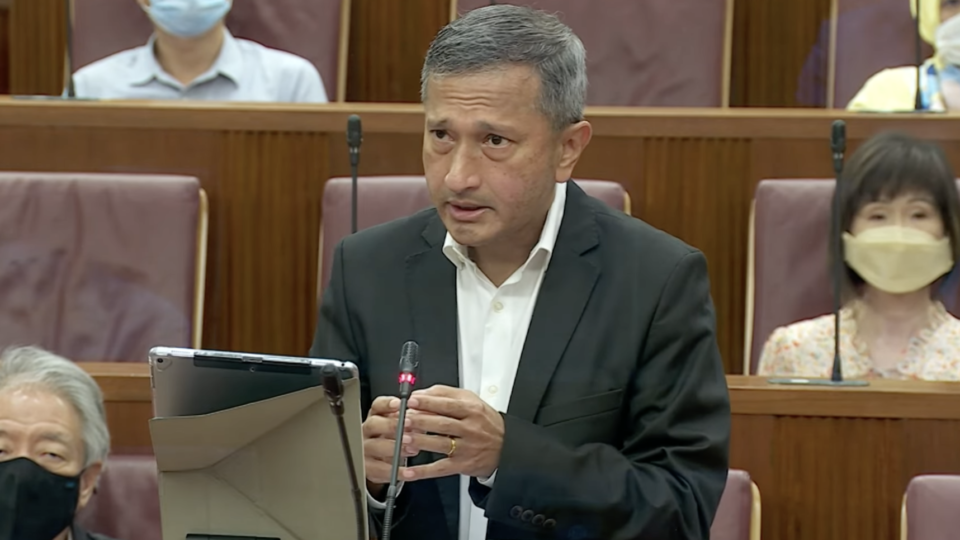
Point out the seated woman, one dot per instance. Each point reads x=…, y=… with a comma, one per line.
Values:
x=192, y=55
x=896, y=89
x=900, y=213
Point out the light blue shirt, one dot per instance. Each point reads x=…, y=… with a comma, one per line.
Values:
x=244, y=71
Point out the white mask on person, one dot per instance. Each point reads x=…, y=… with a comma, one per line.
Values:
x=948, y=41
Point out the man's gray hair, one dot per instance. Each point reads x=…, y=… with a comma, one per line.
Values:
x=493, y=37
x=34, y=367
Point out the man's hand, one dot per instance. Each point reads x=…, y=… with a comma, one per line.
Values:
x=441, y=414
x=379, y=437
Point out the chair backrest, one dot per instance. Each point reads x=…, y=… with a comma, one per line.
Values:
x=101, y=267
x=738, y=516
x=871, y=35
x=637, y=57
x=788, y=271
x=384, y=198
x=317, y=30
x=126, y=504
x=931, y=508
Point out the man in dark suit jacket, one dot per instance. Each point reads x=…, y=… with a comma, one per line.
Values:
x=598, y=327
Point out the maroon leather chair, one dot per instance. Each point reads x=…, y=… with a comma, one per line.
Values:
x=654, y=53
x=384, y=198
x=314, y=29
x=788, y=278
x=738, y=517
x=101, y=267
x=871, y=35
x=126, y=504
x=931, y=509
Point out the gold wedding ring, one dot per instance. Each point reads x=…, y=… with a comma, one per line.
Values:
x=453, y=447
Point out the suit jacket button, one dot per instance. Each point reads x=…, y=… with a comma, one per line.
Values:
x=515, y=512
x=527, y=515
x=538, y=519
x=549, y=524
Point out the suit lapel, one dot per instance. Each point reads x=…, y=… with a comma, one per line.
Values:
x=432, y=293
x=566, y=288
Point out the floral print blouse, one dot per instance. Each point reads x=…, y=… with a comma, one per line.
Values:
x=805, y=349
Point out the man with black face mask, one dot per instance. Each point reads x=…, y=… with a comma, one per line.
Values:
x=53, y=444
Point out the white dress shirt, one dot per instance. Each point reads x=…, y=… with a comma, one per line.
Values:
x=243, y=71
x=492, y=325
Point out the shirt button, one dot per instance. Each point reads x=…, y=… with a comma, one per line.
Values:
x=493, y=389
x=498, y=306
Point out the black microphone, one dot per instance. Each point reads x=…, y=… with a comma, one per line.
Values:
x=354, y=140
x=409, y=362
x=918, y=57
x=838, y=146
x=333, y=388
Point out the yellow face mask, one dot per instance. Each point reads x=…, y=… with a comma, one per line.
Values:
x=898, y=259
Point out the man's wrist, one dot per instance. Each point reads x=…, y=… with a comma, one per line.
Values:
x=377, y=491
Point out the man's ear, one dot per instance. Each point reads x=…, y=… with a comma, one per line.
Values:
x=573, y=140
x=88, y=482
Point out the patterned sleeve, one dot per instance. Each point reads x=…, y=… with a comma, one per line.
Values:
x=778, y=354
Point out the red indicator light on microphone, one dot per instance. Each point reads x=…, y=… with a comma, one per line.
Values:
x=407, y=378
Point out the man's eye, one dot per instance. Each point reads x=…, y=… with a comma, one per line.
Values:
x=496, y=140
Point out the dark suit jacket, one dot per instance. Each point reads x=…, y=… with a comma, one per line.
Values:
x=619, y=420
x=80, y=534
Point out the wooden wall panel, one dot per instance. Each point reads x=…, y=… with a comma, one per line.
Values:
x=690, y=173
x=771, y=42
x=37, y=46
x=388, y=38
x=268, y=208
x=4, y=49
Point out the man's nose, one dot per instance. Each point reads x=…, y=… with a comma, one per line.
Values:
x=464, y=170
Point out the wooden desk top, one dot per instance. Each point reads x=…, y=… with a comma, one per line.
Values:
x=408, y=118
x=130, y=382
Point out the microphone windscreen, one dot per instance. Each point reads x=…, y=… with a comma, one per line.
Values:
x=838, y=136
x=354, y=131
x=409, y=357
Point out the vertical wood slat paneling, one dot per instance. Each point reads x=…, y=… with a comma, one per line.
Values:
x=4, y=50
x=688, y=182
x=388, y=40
x=37, y=32
x=795, y=463
x=771, y=43
x=273, y=189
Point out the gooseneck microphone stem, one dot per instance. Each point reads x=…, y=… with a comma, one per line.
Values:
x=71, y=89
x=333, y=388
x=409, y=362
x=918, y=57
x=838, y=143
x=354, y=140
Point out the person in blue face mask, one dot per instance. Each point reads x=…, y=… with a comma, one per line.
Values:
x=192, y=55
x=53, y=445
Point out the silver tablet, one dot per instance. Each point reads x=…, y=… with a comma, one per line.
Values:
x=188, y=382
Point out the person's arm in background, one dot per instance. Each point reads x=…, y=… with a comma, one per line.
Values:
x=667, y=479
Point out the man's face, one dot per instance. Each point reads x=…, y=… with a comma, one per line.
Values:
x=41, y=426
x=490, y=156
